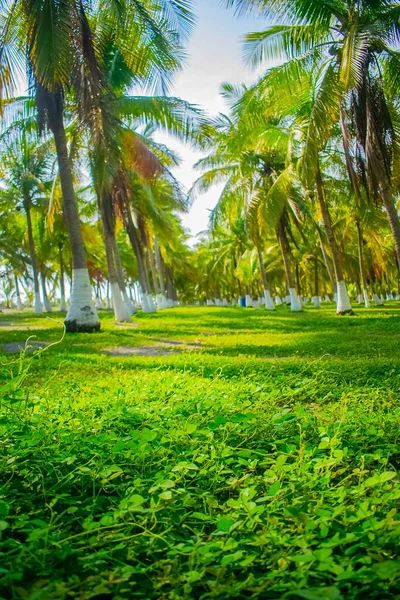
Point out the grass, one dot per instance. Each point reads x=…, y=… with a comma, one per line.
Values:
x=261, y=464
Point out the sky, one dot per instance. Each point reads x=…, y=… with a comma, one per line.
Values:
x=214, y=57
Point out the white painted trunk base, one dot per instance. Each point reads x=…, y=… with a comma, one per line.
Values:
x=151, y=303
x=19, y=303
x=47, y=305
x=82, y=315
x=121, y=312
x=162, y=301
x=316, y=301
x=366, y=299
x=148, y=305
x=129, y=304
x=99, y=303
x=359, y=299
x=38, y=307
x=249, y=301
x=295, y=304
x=268, y=302
x=278, y=300
x=224, y=302
x=63, y=304
x=377, y=300
x=144, y=303
x=210, y=303
x=234, y=302
x=256, y=305
x=327, y=299
x=217, y=302
x=343, y=301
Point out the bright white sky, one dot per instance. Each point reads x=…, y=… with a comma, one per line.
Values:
x=215, y=56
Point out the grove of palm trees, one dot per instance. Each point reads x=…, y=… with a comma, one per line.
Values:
x=193, y=412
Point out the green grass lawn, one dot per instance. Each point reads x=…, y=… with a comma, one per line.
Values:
x=258, y=461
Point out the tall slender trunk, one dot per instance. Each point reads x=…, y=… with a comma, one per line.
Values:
x=357, y=192
x=343, y=301
x=17, y=294
x=46, y=301
x=63, y=304
x=378, y=172
x=326, y=261
x=38, y=307
x=108, y=300
x=171, y=293
x=360, y=243
x=316, y=298
x=298, y=283
x=82, y=315
x=157, y=288
x=159, y=263
x=147, y=299
x=146, y=273
x=285, y=251
x=121, y=312
x=121, y=278
x=133, y=238
x=269, y=303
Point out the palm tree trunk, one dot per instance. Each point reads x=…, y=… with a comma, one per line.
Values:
x=163, y=303
x=147, y=299
x=121, y=279
x=150, y=301
x=63, y=304
x=360, y=243
x=108, y=300
x=378, y=173
x=17, y=294
x=155, y=273
x=343, y=301
x=46, y=300
x=82, y=315
x=38, y=307
x=159, y=266
x=157, y=288
x=285, y=251
x=269, y=303
x=326, y=260
x=316, y=299
x=121, y=312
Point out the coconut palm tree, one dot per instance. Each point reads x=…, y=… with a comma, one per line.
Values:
x=26, y=176
x=61, y=52
x=250, y=155
x=355, y=46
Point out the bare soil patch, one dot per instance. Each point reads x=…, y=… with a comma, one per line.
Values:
x=31, y=346
x=139, y=351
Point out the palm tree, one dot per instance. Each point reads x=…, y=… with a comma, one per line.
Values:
x=26, y=174
x=250, y=155
x=62, y=55
x=355, y=46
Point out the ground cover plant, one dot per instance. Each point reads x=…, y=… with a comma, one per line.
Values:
x=257, y=458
